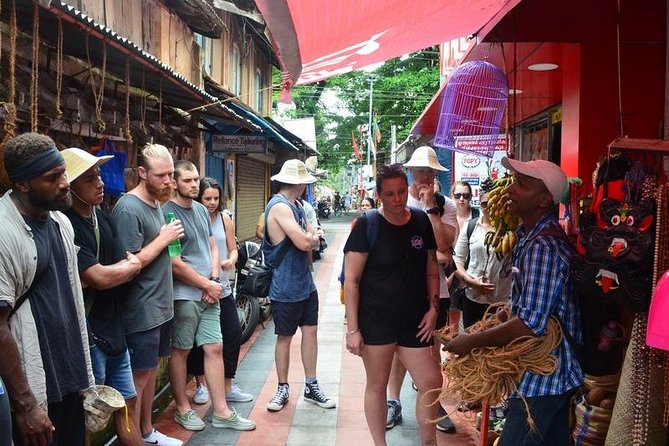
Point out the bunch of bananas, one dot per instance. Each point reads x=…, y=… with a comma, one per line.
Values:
x=502, y=238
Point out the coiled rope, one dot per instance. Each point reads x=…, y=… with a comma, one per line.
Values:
x=493, y=373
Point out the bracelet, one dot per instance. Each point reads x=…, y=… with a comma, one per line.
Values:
x=352, y=332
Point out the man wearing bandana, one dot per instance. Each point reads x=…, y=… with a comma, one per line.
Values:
x=44, y=362
x=148, y=308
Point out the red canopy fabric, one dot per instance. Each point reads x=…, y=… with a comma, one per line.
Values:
x=315, y=40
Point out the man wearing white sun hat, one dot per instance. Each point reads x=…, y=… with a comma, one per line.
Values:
x=288, y=239
x=103, y=265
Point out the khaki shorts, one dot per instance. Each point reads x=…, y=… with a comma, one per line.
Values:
x=196, y=323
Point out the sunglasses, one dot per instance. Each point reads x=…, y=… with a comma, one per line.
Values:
x=465, y=196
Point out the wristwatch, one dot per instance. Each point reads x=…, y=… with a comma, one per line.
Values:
x=215, y=279
x=434, y=210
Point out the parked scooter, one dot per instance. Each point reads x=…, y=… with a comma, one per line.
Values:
x=323, y=209
x=251, y=309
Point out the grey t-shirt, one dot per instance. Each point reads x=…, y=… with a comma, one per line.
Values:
x=148, y=299
x=195, y=250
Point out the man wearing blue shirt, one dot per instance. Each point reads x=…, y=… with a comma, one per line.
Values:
x=541, y=288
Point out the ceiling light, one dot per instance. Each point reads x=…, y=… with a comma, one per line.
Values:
x=514, y=91
x=542, y=67
x=487, y=109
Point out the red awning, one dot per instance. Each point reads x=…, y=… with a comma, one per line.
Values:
x=316, y=40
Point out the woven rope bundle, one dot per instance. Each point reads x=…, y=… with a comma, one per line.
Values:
x=493, y=373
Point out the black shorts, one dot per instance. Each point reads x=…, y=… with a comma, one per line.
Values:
x=376, y=332
x=147, y=347
x=290, y=315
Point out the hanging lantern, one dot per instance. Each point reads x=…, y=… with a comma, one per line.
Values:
x=472, y=109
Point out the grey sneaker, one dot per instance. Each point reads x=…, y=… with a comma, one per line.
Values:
x=189, y=420
x=234, y=421
x=235, y=395
x=394, y=415
x=445, y=424
x=280, y=399
x=314, y=394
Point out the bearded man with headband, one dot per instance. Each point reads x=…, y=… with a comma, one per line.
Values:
x=45, y=361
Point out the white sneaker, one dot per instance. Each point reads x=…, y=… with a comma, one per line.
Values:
x=155, y=438
x=201, y=394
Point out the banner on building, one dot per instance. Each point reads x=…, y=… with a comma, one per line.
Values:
x=474, y=169
x=240, y=144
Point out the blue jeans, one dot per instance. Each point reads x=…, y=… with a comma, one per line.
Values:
x=5, y=417
x=113, y=371
x=551, y=418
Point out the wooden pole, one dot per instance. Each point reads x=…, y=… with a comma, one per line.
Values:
x=485, y=421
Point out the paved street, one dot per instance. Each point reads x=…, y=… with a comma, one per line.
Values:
x=340, y=374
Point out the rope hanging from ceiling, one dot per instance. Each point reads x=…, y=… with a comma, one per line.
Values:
x=126, y=128
x=10, y=105
x=98, y=91
x=59, y=69
x=34, y=72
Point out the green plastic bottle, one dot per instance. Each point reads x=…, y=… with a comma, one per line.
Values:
x=174, y=248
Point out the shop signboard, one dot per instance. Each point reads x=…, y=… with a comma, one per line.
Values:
x=473, y=168
x=240, y=144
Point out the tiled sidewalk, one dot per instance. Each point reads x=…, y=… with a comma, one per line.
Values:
x=340, y=374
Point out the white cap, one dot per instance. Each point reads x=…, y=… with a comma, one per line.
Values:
x=549, y=173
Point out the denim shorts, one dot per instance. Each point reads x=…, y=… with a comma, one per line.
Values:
x=147, y=347
x=196, y=322
x=113, y=371
x=290, y=315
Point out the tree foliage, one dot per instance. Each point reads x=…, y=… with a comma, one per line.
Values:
x=402, y=88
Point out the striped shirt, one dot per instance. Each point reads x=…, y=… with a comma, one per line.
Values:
x=542, y=287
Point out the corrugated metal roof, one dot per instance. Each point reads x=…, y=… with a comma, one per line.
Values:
x=76, y=48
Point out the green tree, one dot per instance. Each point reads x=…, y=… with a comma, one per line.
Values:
x=402, y=88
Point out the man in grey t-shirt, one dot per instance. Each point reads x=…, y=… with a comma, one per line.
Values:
x=147, y=309
x=197, y=290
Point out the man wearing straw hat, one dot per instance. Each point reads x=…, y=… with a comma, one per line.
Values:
x=442, y=213
x=290, y=236
x=45, y=361
x=103, y=265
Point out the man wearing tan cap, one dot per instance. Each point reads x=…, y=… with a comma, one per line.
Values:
x=442, y=213
x=289, y=237
x=44, y=359
x=103, y=265
x=542, y=289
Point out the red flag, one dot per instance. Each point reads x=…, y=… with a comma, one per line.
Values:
x=356, y=150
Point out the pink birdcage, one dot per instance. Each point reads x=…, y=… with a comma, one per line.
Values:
x=472, y=109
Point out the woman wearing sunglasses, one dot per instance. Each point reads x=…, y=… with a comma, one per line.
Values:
x=486, y=279
x=461, y=192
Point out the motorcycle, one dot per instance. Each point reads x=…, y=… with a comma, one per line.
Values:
x=252, y=310
x=323, y=209
x=322, y=246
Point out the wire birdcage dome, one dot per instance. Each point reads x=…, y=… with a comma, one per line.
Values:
x=472, y=109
